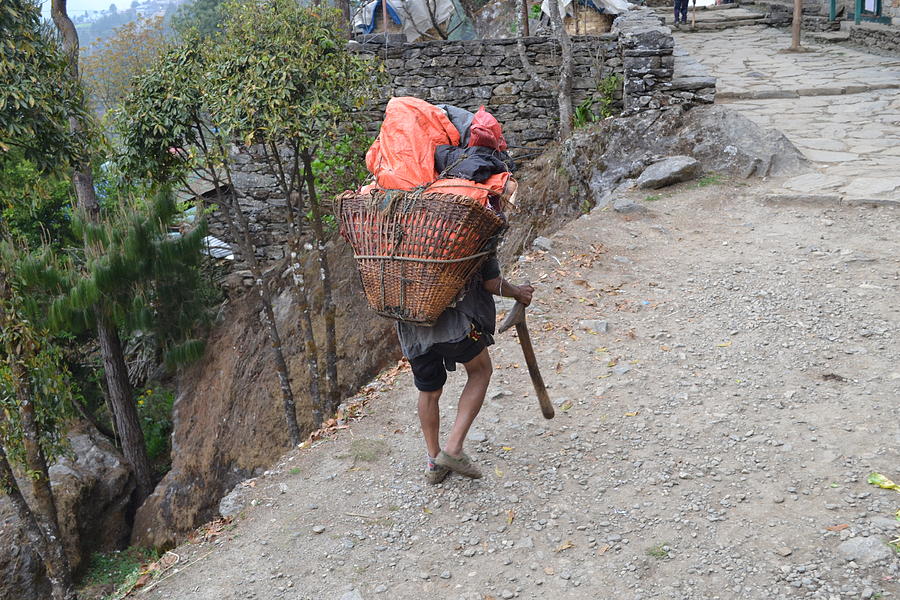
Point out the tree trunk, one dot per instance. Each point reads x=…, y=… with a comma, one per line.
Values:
x=331, y=376
x=344, y=5
x=304, y=319
x=523, y=19
x=34, y=454
x=795, y=24
x=239, y=230
x=50, y=550
x=128, y=425
x=564, y=89
x=116, y=373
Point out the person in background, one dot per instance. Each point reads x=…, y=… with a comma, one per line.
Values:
x=681, y=8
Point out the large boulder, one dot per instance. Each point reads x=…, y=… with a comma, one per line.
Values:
x=228, y=423
x=92, y=487
x=668, y=171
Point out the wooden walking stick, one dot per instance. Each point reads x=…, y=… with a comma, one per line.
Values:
x=517, y=317
x=694, y=14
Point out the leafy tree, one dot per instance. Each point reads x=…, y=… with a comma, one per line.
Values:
x=118, y=386
x=111, y=64
x=170, y=131
x=33, y=397
x=285, y=81
x=203, y=16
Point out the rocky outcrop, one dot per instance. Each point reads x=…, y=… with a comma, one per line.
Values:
x=571, y=178
x=92, y=487
x=228, y=423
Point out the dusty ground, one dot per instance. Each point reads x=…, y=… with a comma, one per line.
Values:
x=713, y=443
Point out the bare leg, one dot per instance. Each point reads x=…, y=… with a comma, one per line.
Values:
x=430, y=420
x=479, y=371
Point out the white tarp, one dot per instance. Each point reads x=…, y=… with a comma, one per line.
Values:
x=415, y=16
x=566, y=8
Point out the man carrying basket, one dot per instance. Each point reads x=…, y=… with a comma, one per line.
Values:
x=462, y=334
x=433, y=177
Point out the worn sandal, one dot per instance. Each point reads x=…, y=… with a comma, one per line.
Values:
x=434, y=473
x=461, y=464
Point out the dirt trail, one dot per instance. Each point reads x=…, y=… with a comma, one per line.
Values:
x=713, y=443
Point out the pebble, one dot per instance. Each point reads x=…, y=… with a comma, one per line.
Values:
x=318, y=529
x=783, y=551
x=542, y=243
x=446, y=575
x=506, y=594
x=476, y=435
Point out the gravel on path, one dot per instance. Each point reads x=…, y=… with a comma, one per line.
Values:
x=712, y=439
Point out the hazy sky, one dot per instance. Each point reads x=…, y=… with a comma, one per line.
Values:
x=77, y=7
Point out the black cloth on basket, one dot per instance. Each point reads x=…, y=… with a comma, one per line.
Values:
x=475, y=164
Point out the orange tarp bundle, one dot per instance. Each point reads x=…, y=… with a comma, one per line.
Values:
x=402, y=157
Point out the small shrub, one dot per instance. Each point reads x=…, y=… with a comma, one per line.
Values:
x=117, y=569
x=659, y=551
x=154, y=407
x=652, y=198
x=707, y=180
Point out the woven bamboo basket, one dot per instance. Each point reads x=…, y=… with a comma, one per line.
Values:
x=415, y=252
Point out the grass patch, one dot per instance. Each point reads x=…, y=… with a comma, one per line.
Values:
x=368, y=450
x=708, y=180
x=111, y=574
x=659, y=551
x=653, y=198
x=294, y=471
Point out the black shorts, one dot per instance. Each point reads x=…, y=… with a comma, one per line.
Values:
x=430, y=369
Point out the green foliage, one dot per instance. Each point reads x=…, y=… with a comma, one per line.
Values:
x=659, y=551
x=200, y=16
x=32, y=370
x=141, y=277
x=155, y=413
x=117, y=568
x=584, y=114
x=652, y=198
x=164, y=122
x=283, y=73
x=610, y=87
x=37, y=95
x=534, y=12
x=35, y=208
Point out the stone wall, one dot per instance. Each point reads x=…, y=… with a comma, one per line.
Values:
x=488, y=72
x=873, y=35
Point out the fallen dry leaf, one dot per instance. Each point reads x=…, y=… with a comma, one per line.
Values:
x=724, y=344
x=839, y=527
x=602, y=549
x=565, y=546
x=549, y=570
x=632, y=414
x=510, y=516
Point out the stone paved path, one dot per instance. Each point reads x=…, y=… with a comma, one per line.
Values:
x=840, y=106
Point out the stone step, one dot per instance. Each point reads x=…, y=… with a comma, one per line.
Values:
x=701, y=26
x=830, y=37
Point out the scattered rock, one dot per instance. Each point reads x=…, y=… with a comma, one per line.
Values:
x=668, y=171
x=542, y=243
x=783, y=551
x=864, y=550
x=594, y=325
x=318, y=529
x=477, y=435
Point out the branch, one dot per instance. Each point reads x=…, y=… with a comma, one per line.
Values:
x=523, y=55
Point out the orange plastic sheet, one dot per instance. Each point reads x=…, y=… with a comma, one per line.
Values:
x=402, y=157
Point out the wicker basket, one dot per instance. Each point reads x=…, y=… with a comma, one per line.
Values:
x=415, y=252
